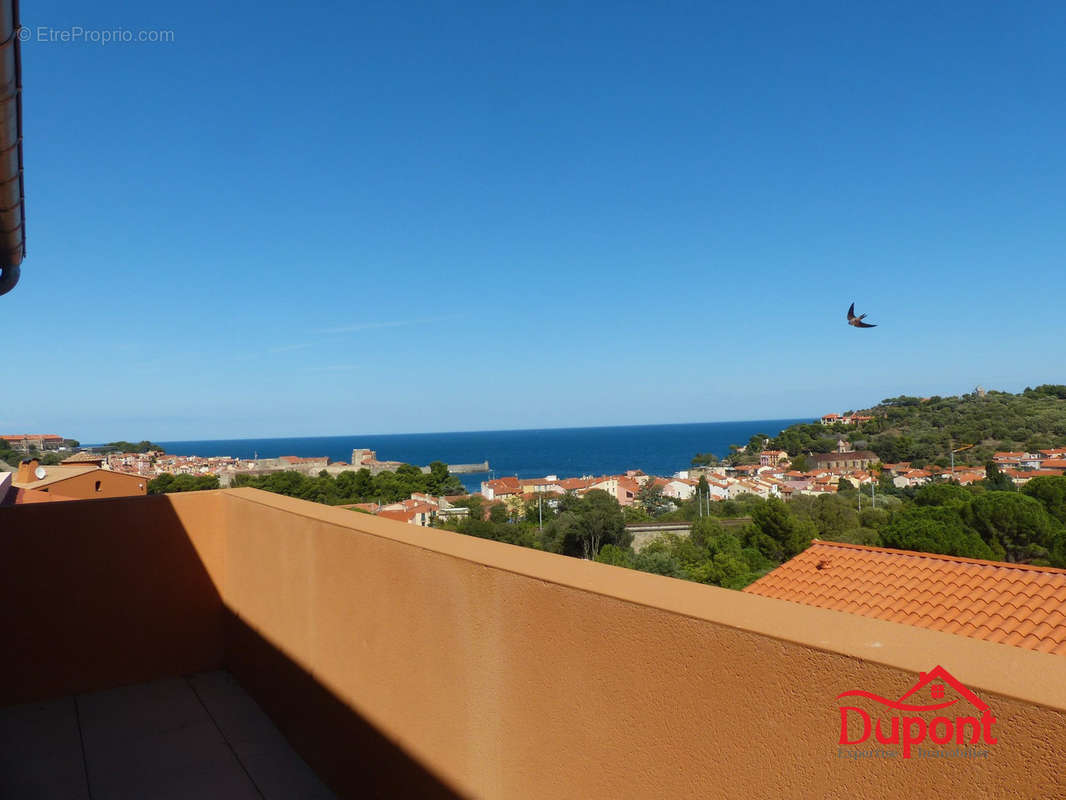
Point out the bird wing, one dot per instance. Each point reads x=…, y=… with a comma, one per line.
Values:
x=864, y=325
x=851, y=312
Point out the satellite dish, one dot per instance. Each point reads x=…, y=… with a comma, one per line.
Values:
x=40, y=473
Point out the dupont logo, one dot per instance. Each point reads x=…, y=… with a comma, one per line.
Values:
x=917, y=729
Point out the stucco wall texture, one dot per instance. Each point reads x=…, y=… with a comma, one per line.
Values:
x=505, y=672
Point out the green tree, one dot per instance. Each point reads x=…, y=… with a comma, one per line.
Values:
x=756, y=444
x=790, y=534
x=995, y=480
x=1017, y=525
x=650, y=497
x=585, y=524
x=1051, y=491
x=935, y=530
x=616, y=556
x=729, y=564
x=943, y=494
x=476, y=504
x=874, y=518
x=703, y=529
x=635, y=514
x=362, y=485
x=658, y=562
x=831, y=515
x=168, y=483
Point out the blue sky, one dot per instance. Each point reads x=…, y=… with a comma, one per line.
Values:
x=387, y=217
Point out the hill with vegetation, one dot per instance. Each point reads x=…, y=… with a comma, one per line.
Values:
x=924, y=430
x=143, y=446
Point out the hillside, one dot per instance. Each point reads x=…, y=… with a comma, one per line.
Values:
x=924, y=430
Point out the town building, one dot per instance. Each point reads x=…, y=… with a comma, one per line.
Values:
x=622, y=488
x=845, y=419
x=843, y=459
x=773, y=458
x=85, y=457
x=911, y=478
x=501, y=488
x=680, y=488
x=35, y=441
x=77, y=481
x=363, y=458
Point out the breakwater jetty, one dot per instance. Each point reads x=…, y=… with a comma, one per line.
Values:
x=465, y=469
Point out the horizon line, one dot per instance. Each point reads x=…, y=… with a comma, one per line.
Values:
x=791, y=420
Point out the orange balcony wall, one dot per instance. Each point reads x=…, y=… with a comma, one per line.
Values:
x=406, y=661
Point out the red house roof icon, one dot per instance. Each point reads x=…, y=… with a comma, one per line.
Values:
x=925, y=678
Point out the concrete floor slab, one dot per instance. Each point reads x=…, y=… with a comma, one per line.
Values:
x=274, y=766
x=142, y=709
x=40, y=752
x=200, y=737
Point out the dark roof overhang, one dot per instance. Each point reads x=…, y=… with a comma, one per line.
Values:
x=12, y=196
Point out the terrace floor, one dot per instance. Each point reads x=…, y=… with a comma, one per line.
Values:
x=200, y=736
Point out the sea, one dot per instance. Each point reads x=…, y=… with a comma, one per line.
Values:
x=565, y=452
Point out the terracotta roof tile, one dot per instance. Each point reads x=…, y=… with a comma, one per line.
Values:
x=1013, y=604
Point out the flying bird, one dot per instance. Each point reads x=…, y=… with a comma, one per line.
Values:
x=857, y=321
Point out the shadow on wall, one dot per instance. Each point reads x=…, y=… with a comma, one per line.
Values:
x=346, y=750
x=100, y=593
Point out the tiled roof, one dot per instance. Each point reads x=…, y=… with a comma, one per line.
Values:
x=1013, y=604
x=504, y=485
x=56, y=472
x=576, y=483
x=1031, y=473
x=84, y=457
x=398, y=515
x=365, y=506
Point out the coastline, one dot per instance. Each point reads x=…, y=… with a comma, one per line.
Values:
x=567, y=452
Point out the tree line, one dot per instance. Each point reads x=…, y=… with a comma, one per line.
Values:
x=169, y=484
x=986, y=520
x=350, y=487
